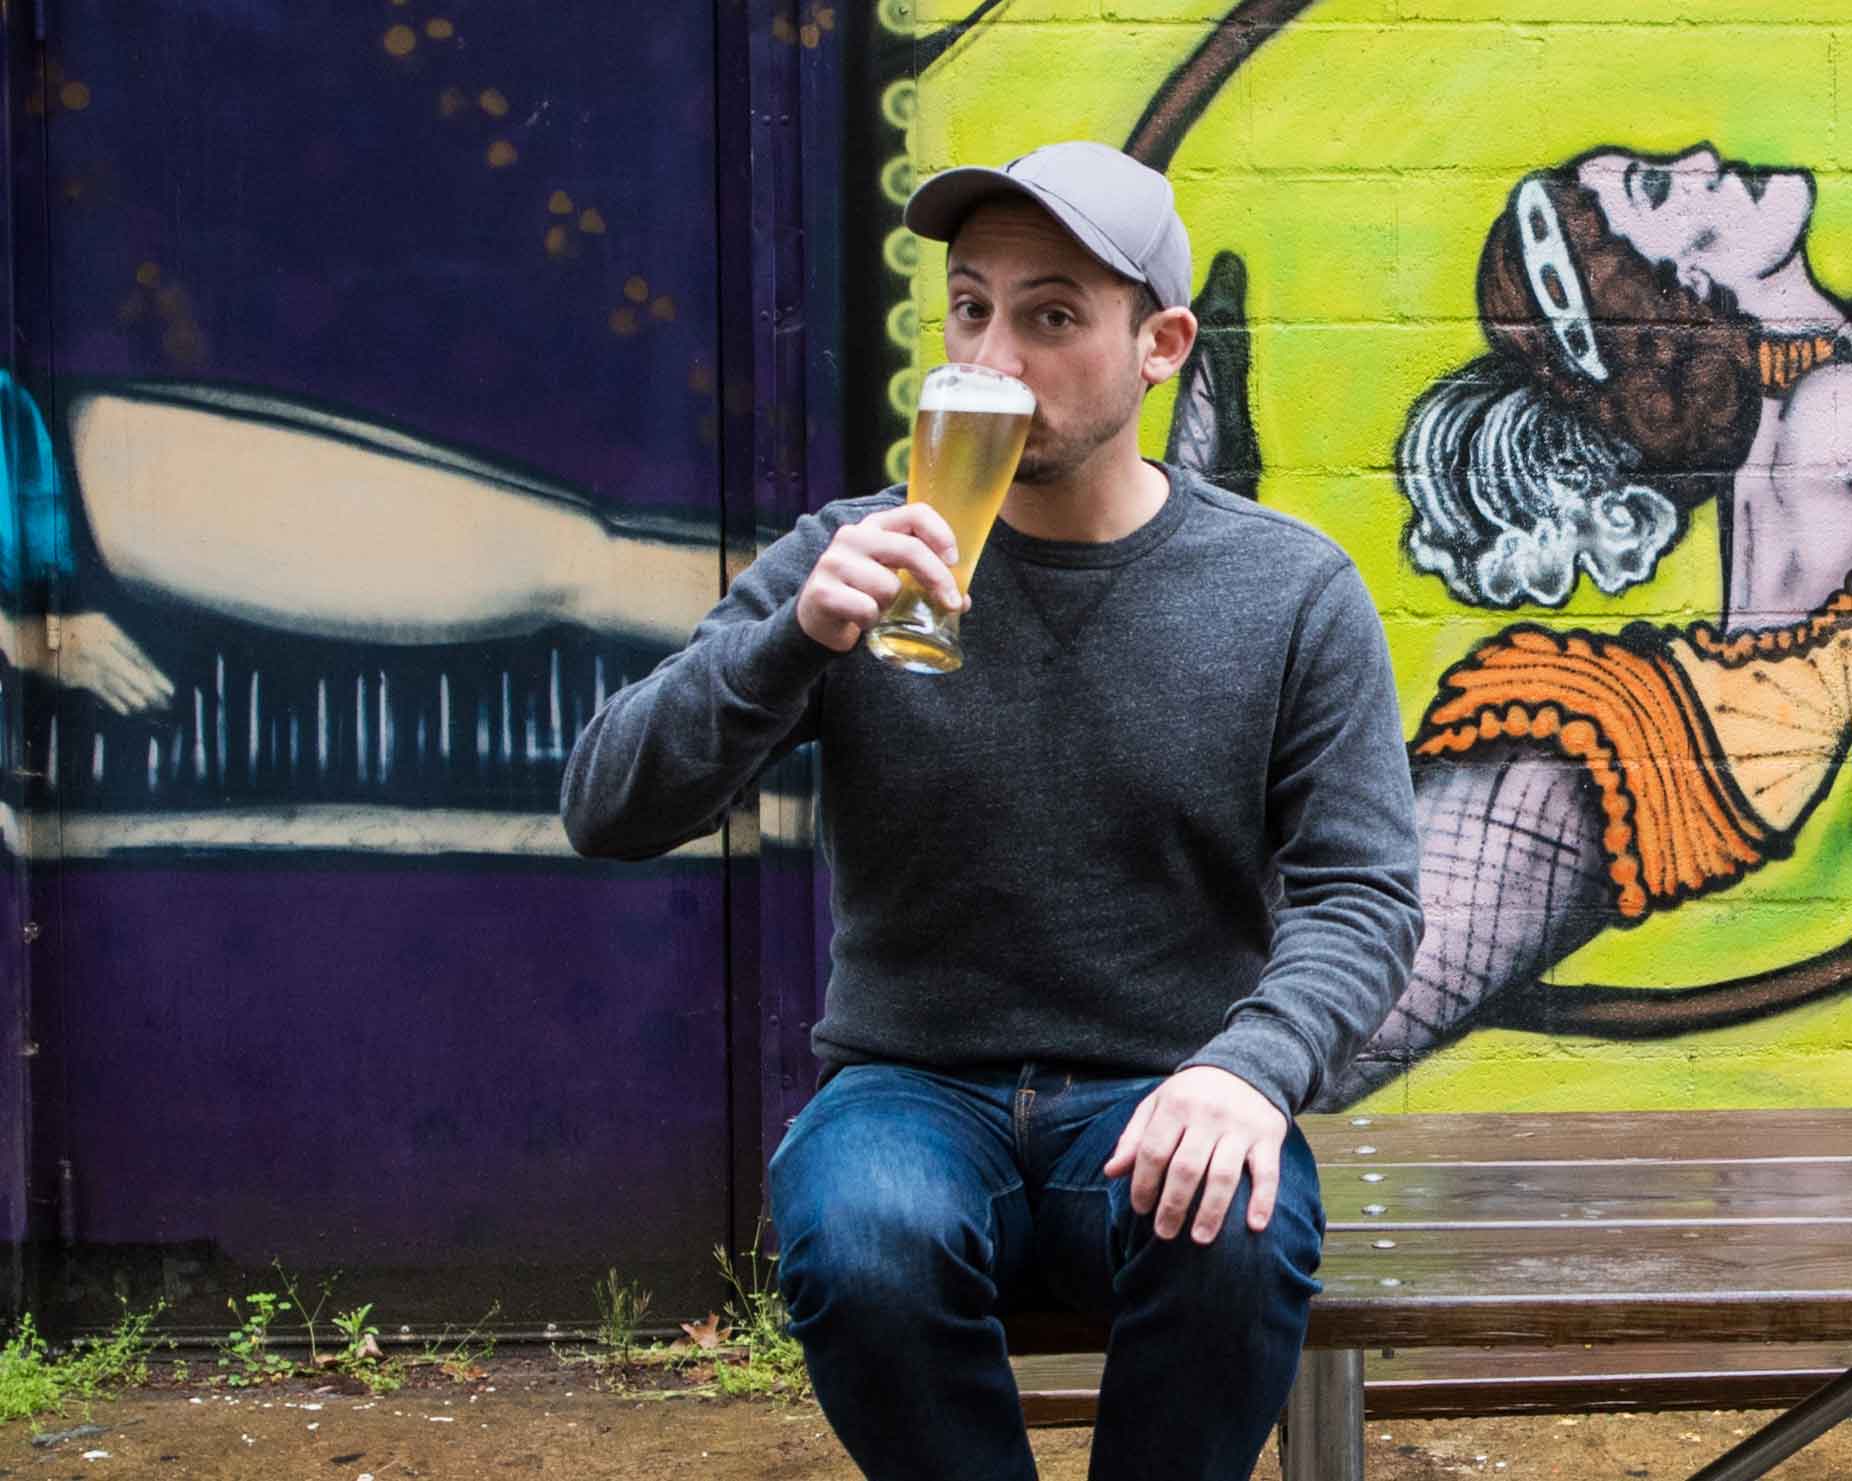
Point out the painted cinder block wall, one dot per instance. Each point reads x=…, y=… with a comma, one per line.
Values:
x=423, y=372
x=1340, y=164
x=384, y=386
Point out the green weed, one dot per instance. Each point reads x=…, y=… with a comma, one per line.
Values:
x=34, y=1381
x=774, y=1359
x=360, y=1356
x=621, y=1308
x=28, y=1379
x=245, y=1353
x=462, y=1360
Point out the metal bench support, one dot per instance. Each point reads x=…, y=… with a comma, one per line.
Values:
x=1769, y=1446
x=1321, y=1433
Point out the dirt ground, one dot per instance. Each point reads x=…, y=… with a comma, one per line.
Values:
x=526, y=1418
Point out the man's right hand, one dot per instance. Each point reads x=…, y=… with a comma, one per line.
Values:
x=859, y=572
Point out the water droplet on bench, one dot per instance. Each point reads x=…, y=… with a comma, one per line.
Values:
x=1373, y=1209
x=1382, y=1244
x=1372, y=1177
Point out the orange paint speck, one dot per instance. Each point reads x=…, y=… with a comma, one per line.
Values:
x=439, y=29
x=663, y=308
x=559, y=203
x=501, y=154
x=400, y=41
x=492, y=102
x=75, y=96
x=623, y=321
x=148, y=274
x=591, y=223
x=636, y=289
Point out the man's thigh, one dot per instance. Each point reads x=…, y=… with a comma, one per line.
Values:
x=890, y=1166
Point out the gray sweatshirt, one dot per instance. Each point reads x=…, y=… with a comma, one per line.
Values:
x=1161, y=817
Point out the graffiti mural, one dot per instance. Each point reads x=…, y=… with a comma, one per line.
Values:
x=366, y=425
x=283, y=597
x=1583, y=426
x=360, y=678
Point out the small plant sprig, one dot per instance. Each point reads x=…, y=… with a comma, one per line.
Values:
x=310, y=1315
x=360, y=1356
x=463, y=1359
x=774, y=1358
x=621, y=1308
x=245, y=1353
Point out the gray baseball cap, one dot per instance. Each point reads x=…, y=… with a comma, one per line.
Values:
x=1124, y=213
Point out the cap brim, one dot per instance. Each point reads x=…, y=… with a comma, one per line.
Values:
x=939, y=206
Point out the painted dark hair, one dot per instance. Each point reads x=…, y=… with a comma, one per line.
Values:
x=1682, y=389
x=1525, y=472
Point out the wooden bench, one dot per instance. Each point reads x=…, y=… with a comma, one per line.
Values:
x=1605, y=1239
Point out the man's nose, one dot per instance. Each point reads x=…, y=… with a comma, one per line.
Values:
x=999, y=349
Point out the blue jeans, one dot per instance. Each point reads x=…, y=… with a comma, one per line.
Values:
x=912, y=1207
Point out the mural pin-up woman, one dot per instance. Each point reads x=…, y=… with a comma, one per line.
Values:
x=1658, y=340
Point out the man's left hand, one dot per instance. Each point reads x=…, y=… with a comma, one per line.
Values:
x=1201, y=1126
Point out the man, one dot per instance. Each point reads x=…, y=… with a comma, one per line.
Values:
x=1111, y=901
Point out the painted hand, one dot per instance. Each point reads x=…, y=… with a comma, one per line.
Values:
x=859, y=572
x=1201, y=1127
x=99, y=656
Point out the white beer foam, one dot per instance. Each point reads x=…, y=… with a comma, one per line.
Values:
x=956, y=392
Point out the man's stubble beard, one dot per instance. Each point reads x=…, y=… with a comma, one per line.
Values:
x=1060, y=456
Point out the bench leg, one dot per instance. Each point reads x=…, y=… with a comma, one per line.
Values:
x=1321, y=1433
x=1769, y=1446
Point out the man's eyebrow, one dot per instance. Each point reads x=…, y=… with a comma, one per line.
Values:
x=962, y=270
x=1626, y=180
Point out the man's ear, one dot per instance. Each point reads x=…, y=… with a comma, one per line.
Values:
x=1171, y=333
x=1691, y=276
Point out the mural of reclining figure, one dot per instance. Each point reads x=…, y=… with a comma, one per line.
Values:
x=278, y=514
x=1659, y=340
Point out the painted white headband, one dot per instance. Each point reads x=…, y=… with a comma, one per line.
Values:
x=1547, y=256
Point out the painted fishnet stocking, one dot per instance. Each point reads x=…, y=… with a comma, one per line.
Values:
x=1512, y=880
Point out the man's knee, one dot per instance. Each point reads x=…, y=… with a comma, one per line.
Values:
x=874, y=1244
x=1243, y=1270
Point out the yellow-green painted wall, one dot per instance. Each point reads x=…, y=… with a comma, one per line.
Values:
x=1355, y=162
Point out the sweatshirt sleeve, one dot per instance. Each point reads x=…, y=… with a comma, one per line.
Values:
x=1341, y=831
x=665, y=757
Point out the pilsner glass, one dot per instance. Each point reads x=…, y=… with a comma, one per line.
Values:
x=967, y=439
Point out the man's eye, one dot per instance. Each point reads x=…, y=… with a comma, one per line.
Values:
x=1656, y=185
x=968, y=310
x=1057, y=318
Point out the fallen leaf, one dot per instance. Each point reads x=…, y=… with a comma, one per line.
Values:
x=709, y=1334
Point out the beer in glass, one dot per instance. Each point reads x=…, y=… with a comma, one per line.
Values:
x=968, y=436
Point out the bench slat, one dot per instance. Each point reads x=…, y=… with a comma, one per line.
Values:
x=1569, y=1284
x=1579, y=1136
x=1442, y=1196
x=1441, y=1383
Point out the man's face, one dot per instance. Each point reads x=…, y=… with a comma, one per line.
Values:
x=1026, y=299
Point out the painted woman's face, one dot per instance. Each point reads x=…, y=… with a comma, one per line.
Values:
x=1712, y=219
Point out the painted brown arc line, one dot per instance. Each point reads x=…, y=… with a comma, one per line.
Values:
x=1657, y=1013
x=1188, y=92
x=926, y=52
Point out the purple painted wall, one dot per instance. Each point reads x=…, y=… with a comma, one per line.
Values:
x=410, y=374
